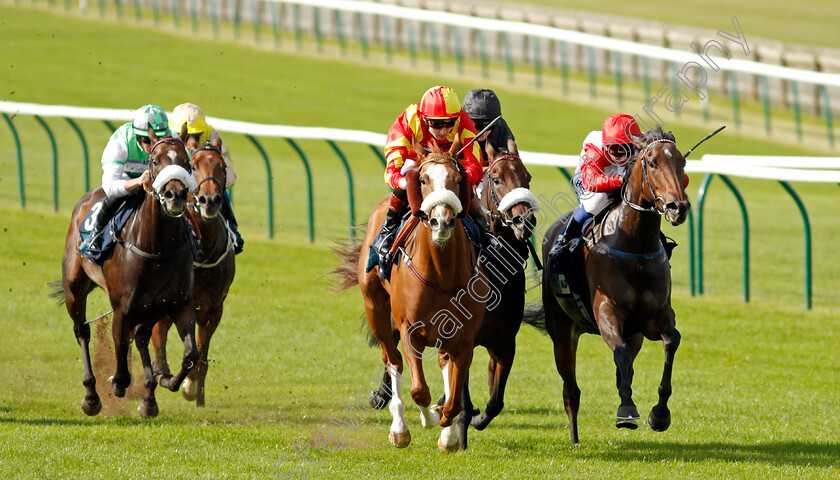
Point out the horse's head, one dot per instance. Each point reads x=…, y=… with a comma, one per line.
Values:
x=171, y=179
x=506, y=192
x=209, y=170
x=658, y=176
x=440, y=183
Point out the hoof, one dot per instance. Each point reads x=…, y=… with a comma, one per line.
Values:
x=659, y=422
x=376, y=401
x=147, y=411
x=448, y=440
x=400, y=440
x=189, y=390
x=627, y=416
x=91, y=406
x=119, y=391
x=480, y=421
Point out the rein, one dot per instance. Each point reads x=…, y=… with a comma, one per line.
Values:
x=646, y=183
x=136, y=250
x=222, y=184
x=495, y=198
x=434, y=159
x=228, y=247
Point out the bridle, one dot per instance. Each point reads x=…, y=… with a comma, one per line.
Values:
x=500, y=216
x=222, y=184
x=647, y=186
x=153, y=192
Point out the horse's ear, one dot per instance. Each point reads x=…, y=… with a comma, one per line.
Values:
x=638, y=140
x=512, y=149
x=490, y=151
x=456, y=145
x=183, y=134
x=215, y=140
x=152, y=135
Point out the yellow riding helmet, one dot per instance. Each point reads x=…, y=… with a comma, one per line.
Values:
x=190, y=114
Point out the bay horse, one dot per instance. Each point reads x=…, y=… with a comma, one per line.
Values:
x=213, y=272
x=148, y=277
x=509, y=206
x=432, y=295
x=628, y=280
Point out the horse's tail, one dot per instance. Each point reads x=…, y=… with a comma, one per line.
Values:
x=371, y=340
x=345, y=274
x=58, y=291
x=534, y=315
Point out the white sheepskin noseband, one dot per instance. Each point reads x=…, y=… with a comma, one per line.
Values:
x=174, y=172
x=441, y=197
x=518, y=195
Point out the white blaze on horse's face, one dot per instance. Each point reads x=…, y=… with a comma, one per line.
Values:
x=441, y=203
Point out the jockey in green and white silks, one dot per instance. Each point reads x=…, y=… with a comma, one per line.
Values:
x=125, y=164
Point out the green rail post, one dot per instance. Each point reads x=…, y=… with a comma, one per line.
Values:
x=255, y=20
x=351, y=195
x=691, y=261
x=379, y=154
x=565, y=174
x=459, y=52
x=508, y=56
x=275, y=22
x=646, y=77
x=298, y=31
x=339, y=32
x=21, y=189
x=156, y=12
x=138, y=14
x=110, y=126
x=309, y=189
x=485, y=63
x=701, y=200
x=174, y=7
x=591, y=55
x=118, y=6
x=827, y=109
x=746, y=229
x=797, y=116
x=54, y=160
x=194, y=15
x=736, y=103
x=564, y=67
x=360, y=21
x=807, y=228
x=86, y=161
x=412, y=45
x=433, y=43
x=237, y=17
x=705, y=105
x=537, y=64
x=316, y=20
x=618, y=78
x=765, y=103
x=269, y=182
x=389, y=50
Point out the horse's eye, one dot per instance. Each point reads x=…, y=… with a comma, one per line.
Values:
x=422, y=181
x=496, y=180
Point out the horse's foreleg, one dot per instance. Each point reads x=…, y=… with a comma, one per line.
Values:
x=159, y=335
x=399, y=434
x=193, y=388
x=498, y=371
x=148, y=407
x=610, y=324
x=660, y=417
x=455, y=375
x=185, y=323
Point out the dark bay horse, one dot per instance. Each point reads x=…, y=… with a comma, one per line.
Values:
x=433, y=296
x=509, y=206
x=628, y=281
x=213, y=273
x=149, y=276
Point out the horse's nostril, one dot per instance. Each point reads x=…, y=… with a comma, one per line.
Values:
x=217, y=199
x=168, y=195
x=671, y=206
x=517, y=220
x=450, y=223
x=433, y=223
x=202, y=200
x=182, y=195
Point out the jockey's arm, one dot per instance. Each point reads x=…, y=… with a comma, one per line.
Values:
x=593, y=177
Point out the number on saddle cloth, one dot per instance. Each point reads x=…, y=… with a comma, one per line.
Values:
x=115, y=224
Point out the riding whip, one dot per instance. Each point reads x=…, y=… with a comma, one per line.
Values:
x=485, y=129
x=685, y=155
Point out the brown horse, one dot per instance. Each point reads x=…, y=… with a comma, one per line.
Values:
x=433, y=296
x=149, y=276
x=509, y=206
x=628, y=281
x=213, y=273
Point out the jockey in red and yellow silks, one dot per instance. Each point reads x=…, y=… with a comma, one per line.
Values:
x=437, y=117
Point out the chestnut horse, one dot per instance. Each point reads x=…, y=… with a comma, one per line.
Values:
x=149, y=277
x=213, y=273
x=628, y=281
x=509, y=206
x=432, y=296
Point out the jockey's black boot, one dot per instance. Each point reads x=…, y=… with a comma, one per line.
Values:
x=94, y=241
x=227, y=213
x=570, y=232
x=487, y=239
x=381, y=245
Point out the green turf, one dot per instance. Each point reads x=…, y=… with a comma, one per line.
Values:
x=754, y=387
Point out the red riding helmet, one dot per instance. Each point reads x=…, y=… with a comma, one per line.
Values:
x=618, y=128
x=440, y=102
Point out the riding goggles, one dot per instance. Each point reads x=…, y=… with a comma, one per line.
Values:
x=441, y=122
x=620, y=150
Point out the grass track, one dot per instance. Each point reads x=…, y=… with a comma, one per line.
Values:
x=755, y=385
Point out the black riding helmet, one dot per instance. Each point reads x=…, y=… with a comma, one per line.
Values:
x=483, y=105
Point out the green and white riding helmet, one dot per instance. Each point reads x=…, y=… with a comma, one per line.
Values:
x=150, y=116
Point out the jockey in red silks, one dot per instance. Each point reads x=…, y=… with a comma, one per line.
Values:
x=438, y=116
x=600, y=171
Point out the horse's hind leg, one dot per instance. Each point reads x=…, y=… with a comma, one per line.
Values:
x=498, y=371
x=148, y=406
x=193, y=387
x=75, y=296
x=455, y=374
x=660, y=417
x=467, y=412
x=565, y=339
x=399, y=435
